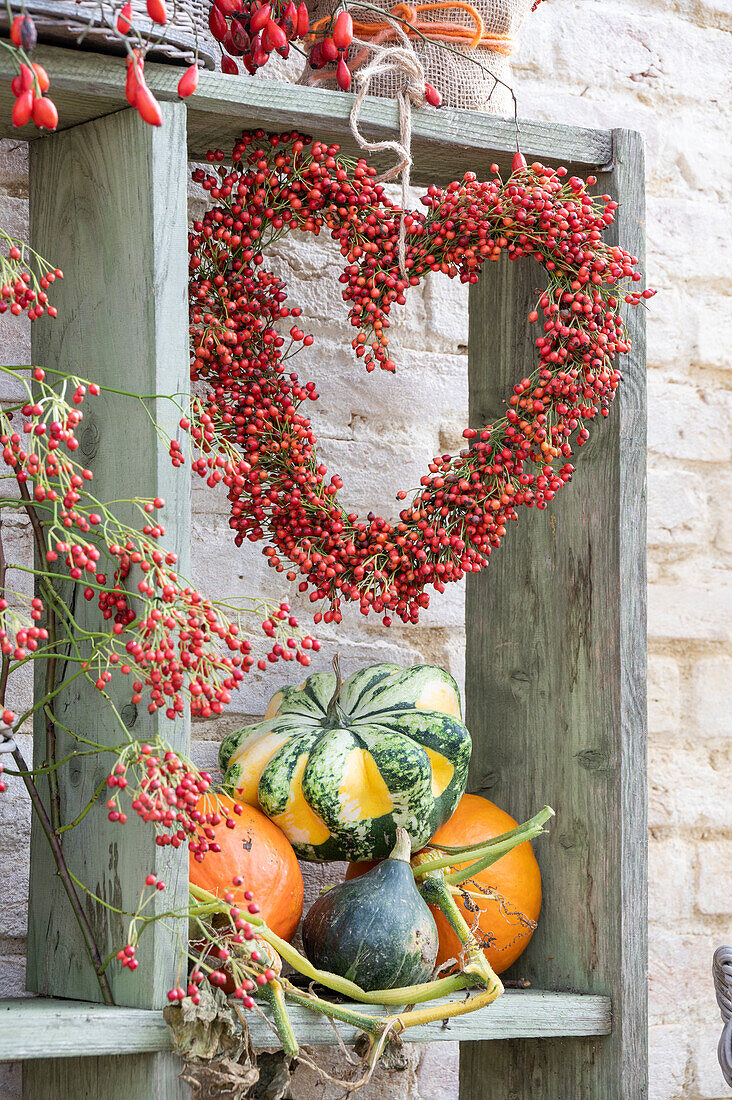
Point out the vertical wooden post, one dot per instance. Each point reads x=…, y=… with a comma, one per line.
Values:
x=108, y=205
x=556, y=696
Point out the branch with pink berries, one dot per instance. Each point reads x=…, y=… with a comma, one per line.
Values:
x=176, y=647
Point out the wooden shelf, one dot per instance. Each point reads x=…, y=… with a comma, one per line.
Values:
x=564, y=670
x=49, y=1028
x=445, y=143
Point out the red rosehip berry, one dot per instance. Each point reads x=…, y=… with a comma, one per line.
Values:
x=188, y=82
x=217, y=24
x=124, y=19
x=157, y=12
x=45, y=114
x=343, y=30
x=147, y=105
x=22, y=109
x=432, y=96
x=303, y=20
x=343, y=76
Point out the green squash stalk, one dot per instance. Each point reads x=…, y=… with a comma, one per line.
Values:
x=484, y=854
x=274, y=993
x=405, y=995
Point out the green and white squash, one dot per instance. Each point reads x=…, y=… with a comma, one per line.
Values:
x=339, y=766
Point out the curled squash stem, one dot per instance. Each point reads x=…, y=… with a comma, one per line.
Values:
x=484, y=854
x=405, y=995
x=445, y=1012
x=377, y=1025
x=274, y=993
x=372, y=1025
x=436, y=891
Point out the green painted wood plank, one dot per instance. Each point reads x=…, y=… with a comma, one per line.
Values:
x=445, y=143
x=39, y=1028
x=555, y=675
x=108, y=205
x=134, y=1077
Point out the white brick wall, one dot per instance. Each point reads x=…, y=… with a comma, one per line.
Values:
x=662, y=68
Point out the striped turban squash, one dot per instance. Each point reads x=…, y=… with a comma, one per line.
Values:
x=340, y=765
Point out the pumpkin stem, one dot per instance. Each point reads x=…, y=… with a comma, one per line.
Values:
x=334, y=713
x=403, y=847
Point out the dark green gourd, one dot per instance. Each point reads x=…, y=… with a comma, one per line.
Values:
x=375, y=930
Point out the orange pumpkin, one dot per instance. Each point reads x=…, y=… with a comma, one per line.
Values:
x=515, y=877
x=260, y=852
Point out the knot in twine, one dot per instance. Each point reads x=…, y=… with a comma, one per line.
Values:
x=722, y=971
x=402, y=60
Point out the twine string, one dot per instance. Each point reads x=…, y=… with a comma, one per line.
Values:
x=403, y=60
x=722, y=971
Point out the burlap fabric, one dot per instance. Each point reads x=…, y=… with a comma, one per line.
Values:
x=460, y=82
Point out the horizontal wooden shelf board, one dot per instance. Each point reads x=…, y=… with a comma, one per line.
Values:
x=50, y=1028
x=445, y=143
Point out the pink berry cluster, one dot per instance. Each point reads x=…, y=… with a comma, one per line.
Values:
x=179, y=647
x=24, y=279
x=253, y=433
x=7, y=721
x=168, y=792
x=18, y=637
x=230, y=955
x=234, y=958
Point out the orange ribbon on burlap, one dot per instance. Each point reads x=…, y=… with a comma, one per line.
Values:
x=448, y=31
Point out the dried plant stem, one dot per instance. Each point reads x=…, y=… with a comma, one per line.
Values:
x=50, y=827
x=50, y=672
x=64, y=875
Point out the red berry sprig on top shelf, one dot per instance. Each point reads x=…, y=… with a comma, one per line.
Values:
x=251, y=428
x=251, y=32
x=31, y=83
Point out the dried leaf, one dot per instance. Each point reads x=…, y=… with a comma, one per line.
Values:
x=220, y=1080
x=274, y=1076
x=207, y=1031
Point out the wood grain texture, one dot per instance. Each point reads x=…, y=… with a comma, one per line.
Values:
x=555, y=677
x=114, y=219
x=134, y=1077
x=38, y=1028
x=445, y=143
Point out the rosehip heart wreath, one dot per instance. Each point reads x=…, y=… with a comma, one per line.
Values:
x=249, y=427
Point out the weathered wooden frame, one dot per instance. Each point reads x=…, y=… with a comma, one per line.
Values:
x=555, y=628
